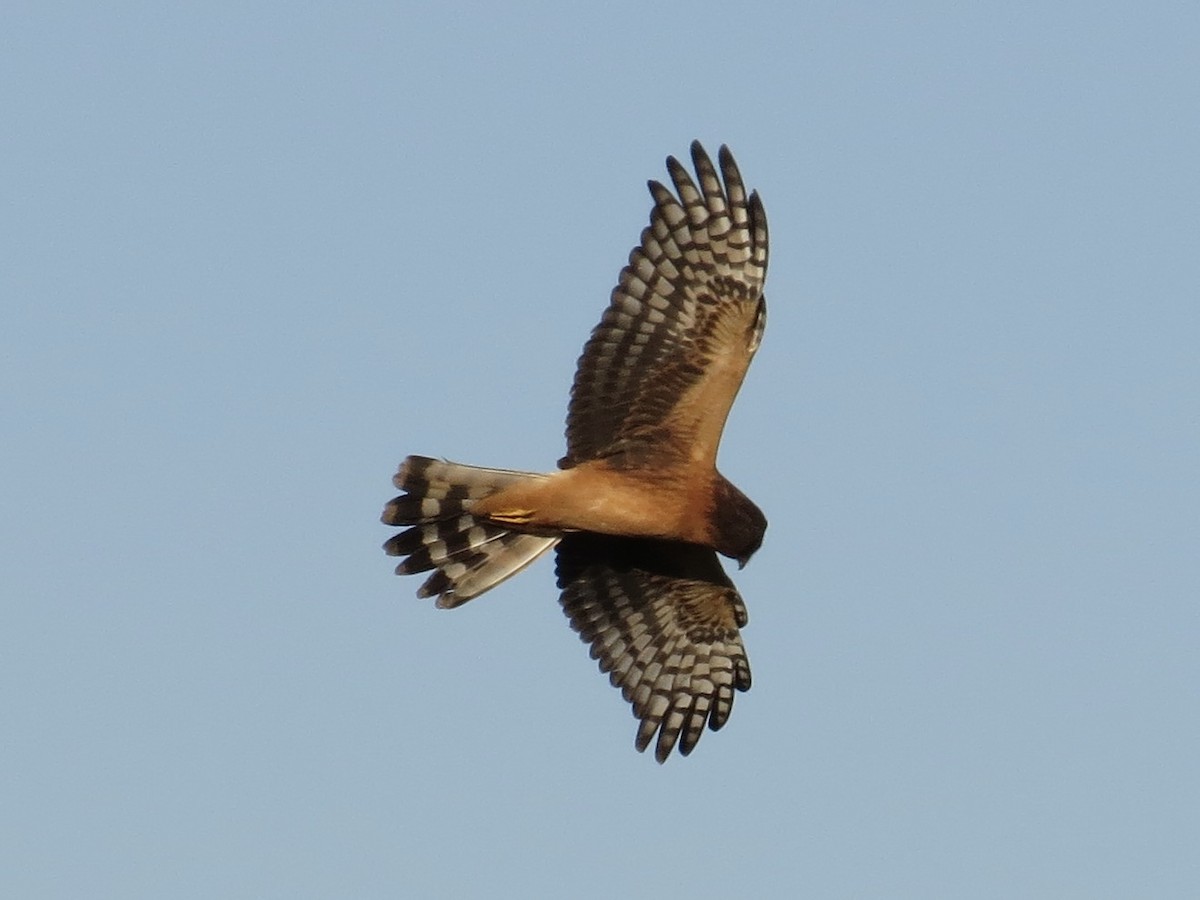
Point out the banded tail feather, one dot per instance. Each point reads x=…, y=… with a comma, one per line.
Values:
x=466, y=555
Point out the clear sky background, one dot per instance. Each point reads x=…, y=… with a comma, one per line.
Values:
x=254, y=254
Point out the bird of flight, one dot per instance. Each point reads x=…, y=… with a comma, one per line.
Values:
x=637, y=511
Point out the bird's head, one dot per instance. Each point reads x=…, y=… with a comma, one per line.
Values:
x=740, y=524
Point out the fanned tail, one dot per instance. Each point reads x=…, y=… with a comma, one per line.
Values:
x=467, y=555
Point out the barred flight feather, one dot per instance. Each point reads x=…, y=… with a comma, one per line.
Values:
x=662, y=619
x=691, y=293
x=467, y=555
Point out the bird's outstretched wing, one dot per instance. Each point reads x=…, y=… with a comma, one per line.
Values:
x=660, y=372
x=662, y=618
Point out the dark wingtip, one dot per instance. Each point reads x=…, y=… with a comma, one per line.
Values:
x=758, y=214
x=676, y=170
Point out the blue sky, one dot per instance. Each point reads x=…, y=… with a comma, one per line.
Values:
x=254, y=254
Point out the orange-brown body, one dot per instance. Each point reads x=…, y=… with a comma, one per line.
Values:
x=669, y=503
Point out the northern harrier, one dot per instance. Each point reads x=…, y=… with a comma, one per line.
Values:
x=637, y=510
